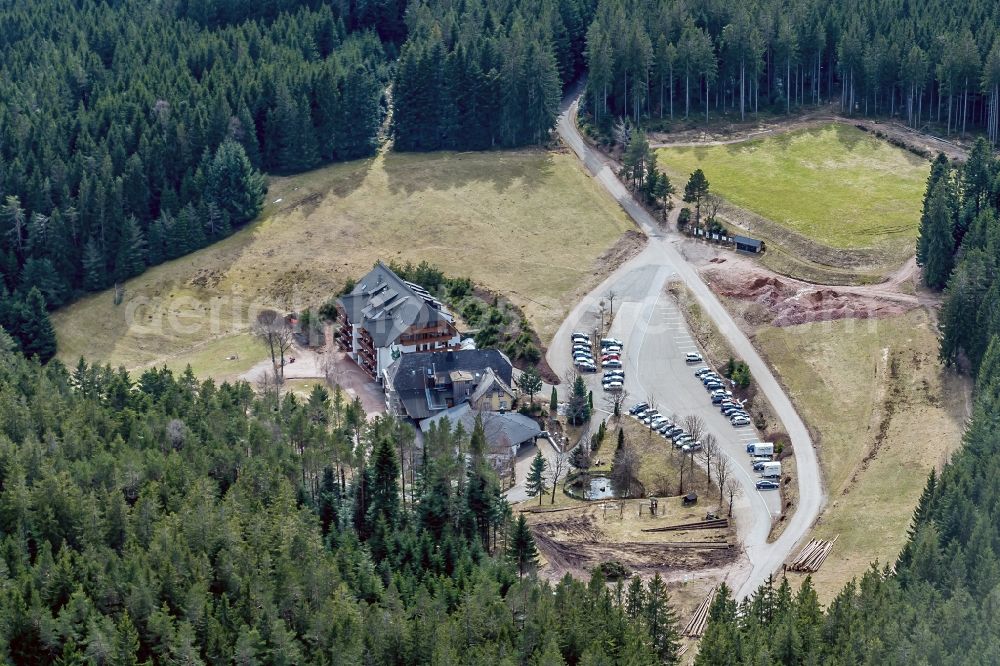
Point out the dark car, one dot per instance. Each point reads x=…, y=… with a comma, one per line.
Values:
x=764, y=484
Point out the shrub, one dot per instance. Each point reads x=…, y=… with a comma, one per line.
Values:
x=614, y=570
x=530, y=353
x=684, y=217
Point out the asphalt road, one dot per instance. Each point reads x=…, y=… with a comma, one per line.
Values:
x=656, y=339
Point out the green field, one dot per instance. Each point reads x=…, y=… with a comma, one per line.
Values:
x=834, y=184
x=530, y=224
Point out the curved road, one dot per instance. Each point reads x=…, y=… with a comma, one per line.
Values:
x=641, y=281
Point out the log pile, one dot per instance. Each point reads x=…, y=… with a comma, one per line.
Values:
x=720, y=523
x=696, y=626
x=811, y=558
x=709, y=545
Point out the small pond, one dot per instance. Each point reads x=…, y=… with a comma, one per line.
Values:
x=600, y=488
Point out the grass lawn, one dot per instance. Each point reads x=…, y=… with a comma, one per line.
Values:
x=834, y=184
x=883, y=412
x=528, y=223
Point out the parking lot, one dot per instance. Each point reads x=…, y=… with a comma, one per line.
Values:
x=655, y=342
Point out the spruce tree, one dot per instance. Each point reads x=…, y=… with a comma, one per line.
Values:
x=521, y=546
x=37, y=336
x=384, y=490
x=535, y=483
x=661, y=621
x=94, y=271
x=233, y=184
x=939, y=258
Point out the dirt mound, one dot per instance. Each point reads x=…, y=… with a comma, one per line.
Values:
x=783, y=302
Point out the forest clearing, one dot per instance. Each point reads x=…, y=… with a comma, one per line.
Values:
x=488, y=216
x=832, y=194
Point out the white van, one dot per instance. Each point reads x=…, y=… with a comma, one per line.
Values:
x=771, y=470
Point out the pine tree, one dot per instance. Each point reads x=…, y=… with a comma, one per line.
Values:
x=521, y=548
x=695, y=192
x=553, y=403
x=37, y=336
x=530, y=382
x=536, y=483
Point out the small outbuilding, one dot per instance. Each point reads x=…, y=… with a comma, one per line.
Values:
x=747, y=244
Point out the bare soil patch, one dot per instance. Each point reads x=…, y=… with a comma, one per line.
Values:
x=771, y=299
x=576, y=541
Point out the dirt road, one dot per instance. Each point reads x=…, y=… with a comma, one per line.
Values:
x=658, y=261
x=740, y=133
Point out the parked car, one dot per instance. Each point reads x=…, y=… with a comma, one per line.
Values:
x=610, y=357
x=713, y=385
x=611, y=342
x=618, y=374
x=581, y=347
x=578, y=334
x=611, y=363
x=702, y=370
x=635, y=409
x=612, y=349
x=764, y=484
x=693, y=357
x=649, y=416
x=693, y=446
x=665, y=428
x=584, y=366
x=740, y=420
x=614, y=387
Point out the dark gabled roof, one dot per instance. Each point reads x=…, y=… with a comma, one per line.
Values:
x=408, y=374
x=746, y=240
x=386, y=305
x=501, y=430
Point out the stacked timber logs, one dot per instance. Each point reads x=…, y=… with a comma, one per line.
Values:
x=811, y=558
x=696, y=626
x=720, y=523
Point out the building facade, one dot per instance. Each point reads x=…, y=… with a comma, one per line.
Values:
x=385, y=317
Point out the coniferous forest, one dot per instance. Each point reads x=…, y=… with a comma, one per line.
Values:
x=160, y=519
x=132, y=133
x=166, y=519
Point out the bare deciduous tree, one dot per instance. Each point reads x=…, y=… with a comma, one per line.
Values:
x=558, y=467
x=273, y=330
x=625, y=473
x=269, y=388
x=617, y=402
x=723, y=470
x=709, y=450
x=695, y=426
x=733, y=490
